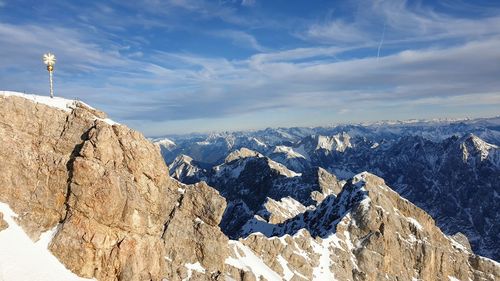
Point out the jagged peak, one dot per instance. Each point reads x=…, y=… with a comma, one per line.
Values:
x=477, y=141
x=257, y=141
x=236, y=162
x=183, y=166
x=182, y=158
x=285, y=208
x=470, y=143
x=241, y=154
x=282, y=169
x=165, y=142
x=288, y=151
x=338, y=142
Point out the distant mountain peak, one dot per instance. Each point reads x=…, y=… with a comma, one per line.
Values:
x=472, y=144
x=241, y=154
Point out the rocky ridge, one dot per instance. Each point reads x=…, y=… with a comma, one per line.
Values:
x=448, y=168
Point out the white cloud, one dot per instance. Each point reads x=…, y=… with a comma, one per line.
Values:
x=240, y=38
x=404, y=22
x=336, y=31
x=248, y=3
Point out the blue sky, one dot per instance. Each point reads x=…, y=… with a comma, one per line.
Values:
x=165, y=67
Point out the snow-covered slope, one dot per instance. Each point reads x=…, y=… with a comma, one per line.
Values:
x=22, y=259
x=55, y=102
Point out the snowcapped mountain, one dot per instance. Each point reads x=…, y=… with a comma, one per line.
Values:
x=355, y=236
x=444, y=167
x=248, y=180
x=185, y=169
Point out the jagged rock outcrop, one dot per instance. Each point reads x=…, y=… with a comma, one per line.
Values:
x=279, y=211
x=185, y=169
x=368, y=232
x=120, y=215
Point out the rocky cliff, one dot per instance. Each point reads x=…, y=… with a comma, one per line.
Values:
x=117, y=215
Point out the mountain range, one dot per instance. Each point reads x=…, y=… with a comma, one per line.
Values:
x=451, y=169
x=83, y=197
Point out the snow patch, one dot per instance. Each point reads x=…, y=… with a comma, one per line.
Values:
x=288, y=151
x=250, y=262
x=287, y=273
x=55, y=102
x=198, y=220
x=21, y=259
x=193, y=266
x=415, y=223
x=282, y=169
x=457, y=245
x=322, y=271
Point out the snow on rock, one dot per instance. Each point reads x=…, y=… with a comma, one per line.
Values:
x=230, y=171
x=415, y=223
x=285, y=208
x=282, y=169
x=338, y=142
x=55, y=102
x=164, y=142
x=183, y=167
x=241, y=154
x=288, y=151
x=258, y=142
x=248, y=261
x=193, y=267
x=21, y=259
x=287, y=273
x=323, y=271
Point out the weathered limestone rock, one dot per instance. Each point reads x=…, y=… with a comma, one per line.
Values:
x=37, y=144
x=192, y=233
x=328, y=184
x=121, y=215
x=3, y=223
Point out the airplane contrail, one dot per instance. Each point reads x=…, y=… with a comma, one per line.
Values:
x=381, y=42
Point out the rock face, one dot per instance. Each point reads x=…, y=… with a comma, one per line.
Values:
x=368, y=232
x=121, y=216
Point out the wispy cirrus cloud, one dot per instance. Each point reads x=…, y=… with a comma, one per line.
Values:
x=404, y=22
x=240, y=38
